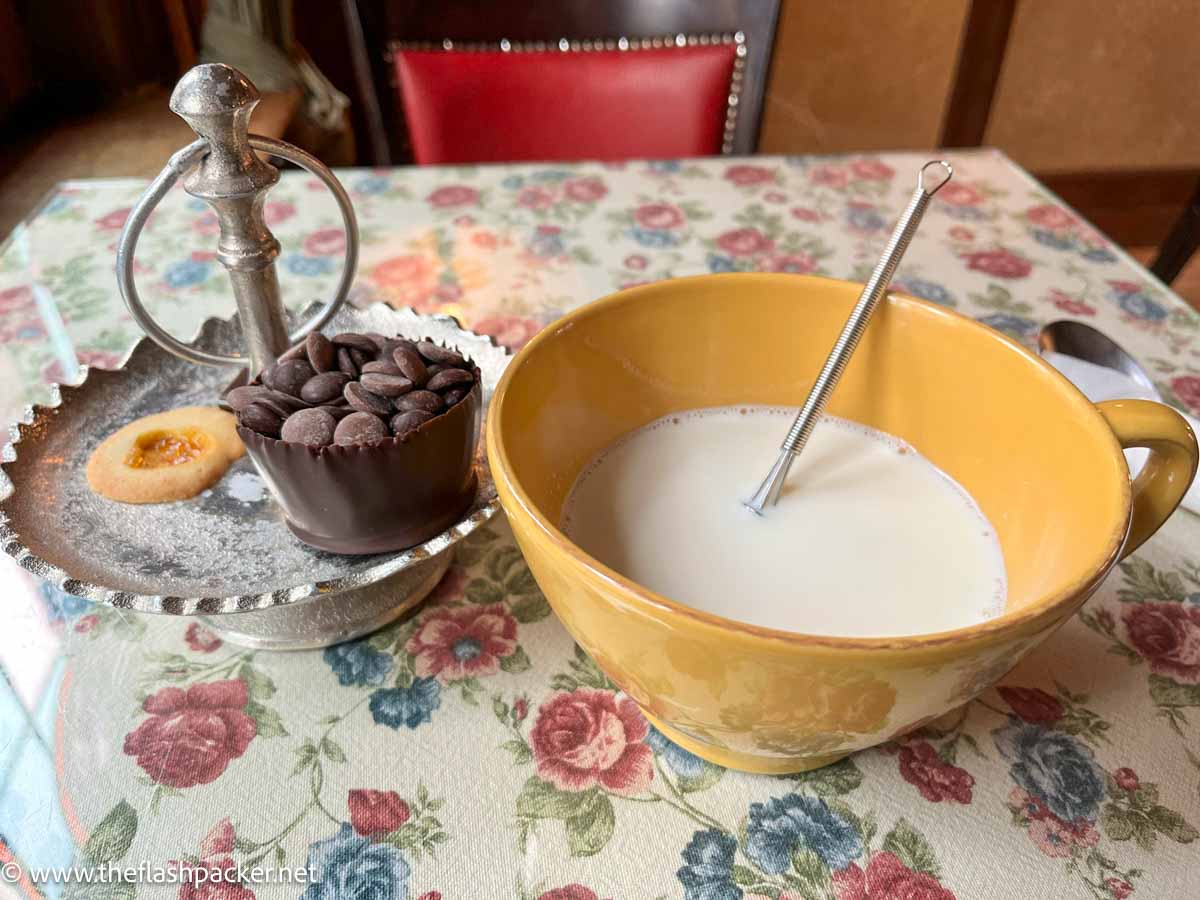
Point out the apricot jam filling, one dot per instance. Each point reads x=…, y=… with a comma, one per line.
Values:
x=167, y=447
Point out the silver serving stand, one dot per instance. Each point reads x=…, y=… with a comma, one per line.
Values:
x=226, y=555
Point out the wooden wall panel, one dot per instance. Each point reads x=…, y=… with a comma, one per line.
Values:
x=1100, y=85
x=867, y=75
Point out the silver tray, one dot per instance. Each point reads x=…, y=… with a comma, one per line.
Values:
x=226, y=554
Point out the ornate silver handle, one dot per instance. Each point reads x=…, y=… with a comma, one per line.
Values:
x=216, y=100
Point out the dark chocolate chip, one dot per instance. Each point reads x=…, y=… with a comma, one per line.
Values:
x=404, y=422
x=385, y=385
x=314, y=427
x=365, y=401
x=241, y=397
x=361, y=357
x=390, y=347
x=411, y=365
x=434, y=369
x=455, y=395
x=296, y=351
x=435, y=353
x=289, y=376
x=377, y=339
x=321, y=355
x=339, y=412
x=324, y=387
x=449, y=378
x=426, y=401
x=382, y=366
x=345, y=362
x=258, y=417
x=357, y=341
x=360, y=428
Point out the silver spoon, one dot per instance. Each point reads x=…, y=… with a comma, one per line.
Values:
x=806, y=420
x=1083, y=342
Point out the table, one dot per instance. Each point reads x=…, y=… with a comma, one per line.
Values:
x=391, y=767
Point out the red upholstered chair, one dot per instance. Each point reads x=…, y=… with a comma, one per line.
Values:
x=496, y=82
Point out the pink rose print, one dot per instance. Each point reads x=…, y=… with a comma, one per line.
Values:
x=1048, y=215
x=830, y=176
x=626, y=285
x=775, y=197
x=745, y=242
x=87, y=623
x=277, y=211
x=453, y=195
x=457, y=643
x=1125, y=287
x=535, y=197
x=1032, y=704
x=569, y=892
x=201, y=639
x=1119, y=888
x=636, y=261
x=325, y=242
x=886, y=878
x=585, y=190
x=411, y=279
x=1072, y=305
x=798, y=263
x=1126, y=779
x=113, y=221
x=16, y=329
x=589, y=737
x=1168, y=636
x=377, y=812
x=448, y=293
x=997, y=263
x=15, y=298
x=936, y=779
x=960, y=194
x=463, y=221
x=219, y=881
x=219, y=840
x=520, y=709
x=805, y=215
x=98, y=359
x=484, y=239
x=431, y=895
x=658, y=215
x=1058, y=839
x=1187, y=391
x=961, y=233
x=512, y=332
x=872, y=170
x=744, y=176
x=193, y=735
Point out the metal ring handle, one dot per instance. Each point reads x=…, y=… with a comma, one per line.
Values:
x=179, y=165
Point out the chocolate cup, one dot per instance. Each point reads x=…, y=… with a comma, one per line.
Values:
x=375, y=498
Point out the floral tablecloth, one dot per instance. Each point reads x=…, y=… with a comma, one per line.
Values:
x=473, y=751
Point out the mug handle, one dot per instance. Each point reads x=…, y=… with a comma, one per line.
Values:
x=1169, y=470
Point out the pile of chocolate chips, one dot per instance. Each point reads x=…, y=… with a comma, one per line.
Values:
x=352, y=389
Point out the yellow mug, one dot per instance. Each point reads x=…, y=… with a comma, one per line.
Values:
x=1043, y=463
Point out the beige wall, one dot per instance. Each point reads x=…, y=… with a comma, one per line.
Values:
x=1097, y=84
x=1086, y=84
x=860, y=75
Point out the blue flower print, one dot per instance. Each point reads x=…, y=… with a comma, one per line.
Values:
x=1053, y=239
x=547, y=245
x=664, y=166
x=185, y=273
x=1140, y=306
x=781, y=825
x=59, y=203
x=678, y=760
x=1099, y=254
x=195, y=204
x=707, y=873
x=1054, y=767
x=410, y=706
x=357, y=663
x=1014, y=326
x=550, y=175
x=865, y=218
x=349, y=867
x=926, y=290
x=654, y=237
x=963, y=213
x=718, y=263
x=512, y=182
x=372, y=184
x=299, y=264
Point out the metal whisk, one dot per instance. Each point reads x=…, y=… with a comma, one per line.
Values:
x=806, y=420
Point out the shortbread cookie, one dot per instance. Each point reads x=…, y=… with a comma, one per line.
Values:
x=167, y=456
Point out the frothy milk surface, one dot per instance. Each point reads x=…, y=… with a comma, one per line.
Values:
x=869, y=538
